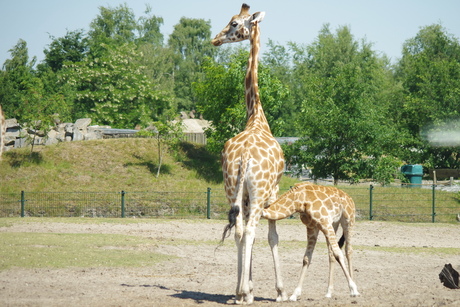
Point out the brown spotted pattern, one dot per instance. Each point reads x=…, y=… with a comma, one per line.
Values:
x=252, y=161
x=321, y=208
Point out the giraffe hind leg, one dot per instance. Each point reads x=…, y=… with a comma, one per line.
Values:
x=347, y=231
x=336, y=253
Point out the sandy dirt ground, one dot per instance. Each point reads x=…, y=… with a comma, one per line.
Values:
x=391, y=268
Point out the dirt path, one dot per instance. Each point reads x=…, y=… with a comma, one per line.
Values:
x=395, y=265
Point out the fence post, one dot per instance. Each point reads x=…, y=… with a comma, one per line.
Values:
x=433, y=204
x=371, y=213
x=123, y=204
x=208, y=204
x=23, y=204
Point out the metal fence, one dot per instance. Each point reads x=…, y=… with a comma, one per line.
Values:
x=426, y=204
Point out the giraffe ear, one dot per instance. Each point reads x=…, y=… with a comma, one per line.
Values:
x=257, y=17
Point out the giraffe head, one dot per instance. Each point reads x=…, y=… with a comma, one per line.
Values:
x=238, y=29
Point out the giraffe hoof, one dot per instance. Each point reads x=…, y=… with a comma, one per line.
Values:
x=293, y=298
x=355, y=294
x=282, y=297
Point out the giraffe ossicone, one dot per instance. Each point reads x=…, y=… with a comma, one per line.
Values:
x=252, y=163
x=321, y=208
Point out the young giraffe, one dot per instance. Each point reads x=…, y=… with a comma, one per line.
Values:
x=252, y=163
x=2, y=130
x=321, y=208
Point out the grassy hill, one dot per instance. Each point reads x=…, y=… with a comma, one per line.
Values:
x=111, y=165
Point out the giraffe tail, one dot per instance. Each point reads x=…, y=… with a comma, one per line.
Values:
x=235, y=209
x=341, y=241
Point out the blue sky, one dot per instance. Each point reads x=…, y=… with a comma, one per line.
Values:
x=386, y=24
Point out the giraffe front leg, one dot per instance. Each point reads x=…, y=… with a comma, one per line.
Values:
x=312, y=236
x=330, y=286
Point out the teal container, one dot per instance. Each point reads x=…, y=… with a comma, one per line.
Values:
x=414, y=173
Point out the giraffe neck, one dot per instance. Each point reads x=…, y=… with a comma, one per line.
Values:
x=283, y=207
x=254, y=111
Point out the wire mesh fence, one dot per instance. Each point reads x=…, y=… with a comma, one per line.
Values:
x=422, y=204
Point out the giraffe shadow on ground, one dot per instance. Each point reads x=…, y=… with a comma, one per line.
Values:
x=196, y=296
x=200, y=297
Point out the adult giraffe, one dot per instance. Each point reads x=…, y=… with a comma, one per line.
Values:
x=252, y=163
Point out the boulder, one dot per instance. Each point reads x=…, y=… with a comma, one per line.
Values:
x=20, y=142
x=77, y=135
x=69, y=128
x=12, y=123
x=82, y=124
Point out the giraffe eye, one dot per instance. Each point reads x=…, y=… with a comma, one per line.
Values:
x=234, y=24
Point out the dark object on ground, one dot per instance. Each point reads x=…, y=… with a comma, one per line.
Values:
x=449, y=277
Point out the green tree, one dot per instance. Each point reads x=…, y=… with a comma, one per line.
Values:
x=113, y=26
x=148, y=28
x=221, y=99
x=168, y=135
x=429, y=71
x=113, y=90
x=23, y=94
x=73, y=47
x=157, y=64
x=342, y=91
x=190, y=42
x=278, y=59
x=17, y=73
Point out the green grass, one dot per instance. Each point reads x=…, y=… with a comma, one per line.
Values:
x=130, y=165
x=51, y=250
x=111, y=165
x=76, y=250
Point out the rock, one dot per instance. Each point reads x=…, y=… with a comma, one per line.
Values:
x=82, y=124
x=69, y=128
x=13, y=132
x=12, y=123
x=21, y=142
x=11, y=135
x=93, y=135
x=77, y=135
x=51, y=141
x=38, y=140
x=52, y=133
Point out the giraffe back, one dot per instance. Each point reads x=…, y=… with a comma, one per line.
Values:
x=325, y=202
x=316, y=203
x=263, y=169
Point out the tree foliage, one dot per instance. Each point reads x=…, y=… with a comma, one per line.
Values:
x=190, y=42
x=342, y=113
x=429, y=71
x=221, y=98
x=23, y=94
x=358, y=114
x=113, y=90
